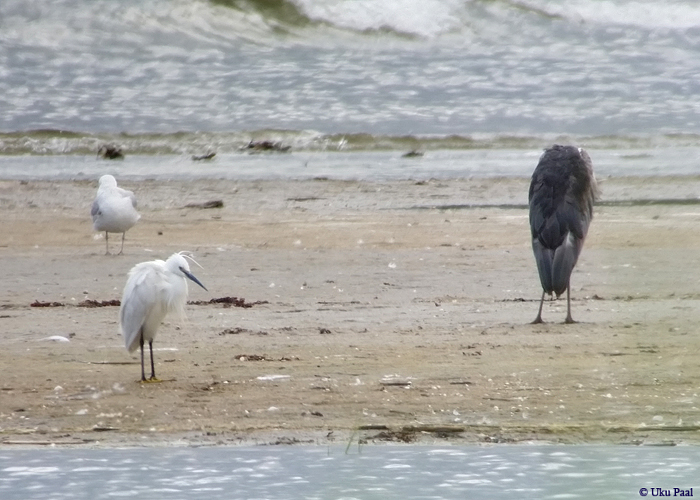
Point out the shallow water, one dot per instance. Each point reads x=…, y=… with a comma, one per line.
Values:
x=316, y=472
x=369, y=166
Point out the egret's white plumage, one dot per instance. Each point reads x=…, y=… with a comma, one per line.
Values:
x=153, y=289
x=114, y=209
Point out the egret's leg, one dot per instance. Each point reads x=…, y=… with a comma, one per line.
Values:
x=568, y=319
x=106, y=243
x=122, y=250
x=153, y=367
x=538, y=319
x=143, y=372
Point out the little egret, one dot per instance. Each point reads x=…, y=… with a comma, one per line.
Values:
x=114, y=209
x=561, y=197
x=152, y=290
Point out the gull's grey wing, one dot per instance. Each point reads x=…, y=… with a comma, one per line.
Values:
x=125, y=193
x=95, y=209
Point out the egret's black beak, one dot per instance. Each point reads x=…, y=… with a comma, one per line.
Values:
x=193, y=278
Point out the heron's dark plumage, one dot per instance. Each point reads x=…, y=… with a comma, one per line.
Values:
x=561, y=197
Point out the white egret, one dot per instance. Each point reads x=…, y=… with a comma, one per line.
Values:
x=114, y=209
x=152, y=290
x=561, y=197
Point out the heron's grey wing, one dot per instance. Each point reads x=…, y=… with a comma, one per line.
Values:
x=565, y=258
x=544, y=258
x=561, y=203
x=138, y=296
x=575, y=217
x=558, y=231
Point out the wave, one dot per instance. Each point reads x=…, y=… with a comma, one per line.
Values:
x=304, y=21
x=435, y=18
x=61, y=142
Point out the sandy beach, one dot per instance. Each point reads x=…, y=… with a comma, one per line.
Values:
x=378, y=312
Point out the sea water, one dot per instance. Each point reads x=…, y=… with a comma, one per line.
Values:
x=196, y=76
x=370, y=472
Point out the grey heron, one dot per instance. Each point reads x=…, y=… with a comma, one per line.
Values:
x=561, y=197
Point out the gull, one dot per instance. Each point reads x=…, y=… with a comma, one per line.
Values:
x=114, y=210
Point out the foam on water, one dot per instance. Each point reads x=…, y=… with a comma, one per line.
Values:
x=424, y=18
x=647, y=14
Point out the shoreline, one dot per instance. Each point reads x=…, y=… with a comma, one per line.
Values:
x=414, y=322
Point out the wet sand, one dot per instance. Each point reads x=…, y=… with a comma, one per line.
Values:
x=394, y=311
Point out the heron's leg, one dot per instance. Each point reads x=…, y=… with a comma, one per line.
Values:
x=538, y=319
x=568, y=319
x=122, y=250
x=106, y=243
x=143, y=372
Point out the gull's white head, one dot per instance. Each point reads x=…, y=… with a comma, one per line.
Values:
x=107, y=181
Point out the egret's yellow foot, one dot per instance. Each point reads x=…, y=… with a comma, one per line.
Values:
x=152, y=380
